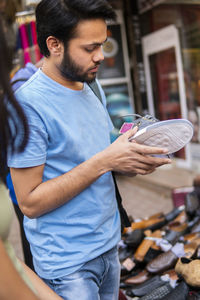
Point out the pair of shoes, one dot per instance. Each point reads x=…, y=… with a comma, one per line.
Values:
x=170, y=134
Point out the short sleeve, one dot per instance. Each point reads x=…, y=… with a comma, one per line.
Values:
x=36, y=149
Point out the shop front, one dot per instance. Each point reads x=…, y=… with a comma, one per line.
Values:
x=170, y=39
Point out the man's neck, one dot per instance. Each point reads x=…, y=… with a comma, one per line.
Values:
x=53, y=72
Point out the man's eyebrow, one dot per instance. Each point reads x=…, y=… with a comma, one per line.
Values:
x=95, y=43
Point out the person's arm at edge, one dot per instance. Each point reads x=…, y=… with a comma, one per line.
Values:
x=36, y=198
x=12, y=285
x=42, y=289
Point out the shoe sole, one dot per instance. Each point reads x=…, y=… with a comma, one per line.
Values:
x=170, y=134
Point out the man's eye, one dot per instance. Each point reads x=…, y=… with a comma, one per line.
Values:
x=89, y=49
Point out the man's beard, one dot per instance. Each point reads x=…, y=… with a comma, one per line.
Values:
x=74, y=72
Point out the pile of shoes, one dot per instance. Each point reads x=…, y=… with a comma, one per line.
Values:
x=160, y=256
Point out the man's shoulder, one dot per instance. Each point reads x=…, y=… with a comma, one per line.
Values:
x=33, y=86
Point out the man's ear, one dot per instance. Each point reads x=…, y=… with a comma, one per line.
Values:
x=54, y=46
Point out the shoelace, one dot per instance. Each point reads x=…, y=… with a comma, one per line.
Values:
x=146, y=117
x=139, y=120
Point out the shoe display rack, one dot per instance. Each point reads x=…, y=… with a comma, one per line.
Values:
x=160, y=255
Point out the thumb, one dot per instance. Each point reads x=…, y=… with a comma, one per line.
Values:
x=130, y=132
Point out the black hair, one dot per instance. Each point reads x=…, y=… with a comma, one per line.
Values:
x=59, y=18
x=13, y=123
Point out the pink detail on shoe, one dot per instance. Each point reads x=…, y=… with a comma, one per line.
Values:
x=125, y=127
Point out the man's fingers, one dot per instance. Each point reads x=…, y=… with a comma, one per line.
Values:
x=155, y=161
x=143, y=149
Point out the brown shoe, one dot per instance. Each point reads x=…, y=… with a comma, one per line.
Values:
x=146, y=244
x=172, y=274
x=168, y=260
x=179, y=227
x=137, y=279
x=181, y=218
x=162, y=262
x=157, y=215
x=146, y=223
x=191, y=236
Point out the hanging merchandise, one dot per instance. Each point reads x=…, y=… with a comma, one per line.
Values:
x=27, y=37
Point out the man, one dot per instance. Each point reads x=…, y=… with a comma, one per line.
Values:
x=62, y=180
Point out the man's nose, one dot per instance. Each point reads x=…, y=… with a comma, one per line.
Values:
x=98, y=56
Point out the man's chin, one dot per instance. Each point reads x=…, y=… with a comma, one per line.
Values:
x=91, y=78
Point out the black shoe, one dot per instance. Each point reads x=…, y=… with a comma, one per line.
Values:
x=146, y=287
x=151, y=254
x=125, y=253
x=191, y=204
x=134, y=238
x=159, y=293
x=157, y=225
x=173, y=214
x=180, y=292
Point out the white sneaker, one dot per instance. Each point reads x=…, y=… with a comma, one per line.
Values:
x=170, y=134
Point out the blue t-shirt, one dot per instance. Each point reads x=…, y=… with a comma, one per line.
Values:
x=67, y=127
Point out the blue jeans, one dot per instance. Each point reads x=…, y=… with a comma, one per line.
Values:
x=97, y=279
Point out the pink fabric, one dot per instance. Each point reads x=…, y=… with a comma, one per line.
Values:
x=36, y=47
x=25, y=44
x=33, y=31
